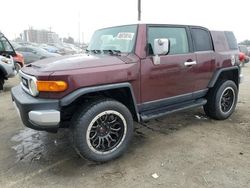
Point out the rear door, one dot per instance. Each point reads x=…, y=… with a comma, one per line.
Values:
x=171, y=80
x=205, y=58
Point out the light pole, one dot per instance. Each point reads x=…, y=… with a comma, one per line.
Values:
x=79, y=28
x=139, y=10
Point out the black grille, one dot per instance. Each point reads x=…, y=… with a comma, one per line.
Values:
x=25, y=82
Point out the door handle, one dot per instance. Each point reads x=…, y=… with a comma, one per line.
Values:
x=188, y=64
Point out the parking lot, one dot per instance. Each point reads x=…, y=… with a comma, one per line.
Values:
x=186, y=149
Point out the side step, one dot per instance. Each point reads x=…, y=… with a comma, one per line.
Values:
x=152, y=114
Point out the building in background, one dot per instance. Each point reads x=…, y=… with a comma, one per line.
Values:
x=40, y=36
x=53, y=37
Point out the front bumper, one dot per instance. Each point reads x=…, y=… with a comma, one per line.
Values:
x=39, y=114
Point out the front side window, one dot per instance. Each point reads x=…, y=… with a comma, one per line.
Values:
x=5, y=45
x=202, y=39
x=176, y=35
x=121, y=38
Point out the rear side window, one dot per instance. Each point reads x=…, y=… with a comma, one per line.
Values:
x=176, y=35
x=202, y=39
x=232, y=42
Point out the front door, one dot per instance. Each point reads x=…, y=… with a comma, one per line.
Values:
x=172, y=78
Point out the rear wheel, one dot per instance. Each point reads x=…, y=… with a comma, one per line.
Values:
x=222, y=100
x=102, y=130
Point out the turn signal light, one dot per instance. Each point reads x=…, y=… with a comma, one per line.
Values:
x=52, y=86
x=241, y=56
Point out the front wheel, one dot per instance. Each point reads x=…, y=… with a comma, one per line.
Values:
x=222, y=100
x=1, y=83
x=102, y=130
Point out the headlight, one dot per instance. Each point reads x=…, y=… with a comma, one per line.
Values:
x=33, y=87
x=6, y=60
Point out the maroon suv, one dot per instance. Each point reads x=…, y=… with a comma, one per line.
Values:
x=129, y=73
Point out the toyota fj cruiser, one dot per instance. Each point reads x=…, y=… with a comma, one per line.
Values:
x=129, y=73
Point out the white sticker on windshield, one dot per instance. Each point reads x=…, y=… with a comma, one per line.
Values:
x=125, y=36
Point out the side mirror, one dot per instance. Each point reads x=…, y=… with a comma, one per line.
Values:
x=161, y=46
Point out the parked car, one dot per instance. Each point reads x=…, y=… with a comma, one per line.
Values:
x=32, y=54
x=24, y=43
x=63, y=50
x=6, y=49
x=15, y=44
x=248, y=48
x=75, y=49
x=51, y=49
x=7, y=69
x=243, y=49
x=126, y=76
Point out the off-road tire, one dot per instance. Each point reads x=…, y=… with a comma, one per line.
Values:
x=88, y=117
x=220, y=106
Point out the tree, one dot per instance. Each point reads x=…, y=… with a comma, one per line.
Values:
x=69, y=40
x=245, y=42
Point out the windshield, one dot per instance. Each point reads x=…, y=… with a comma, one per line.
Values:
x=5, y=45
x=121, y=39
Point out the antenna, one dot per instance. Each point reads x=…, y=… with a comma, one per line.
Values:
x=79, y=28
x=139, y=10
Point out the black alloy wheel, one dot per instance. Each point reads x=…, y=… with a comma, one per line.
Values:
x=102, y=130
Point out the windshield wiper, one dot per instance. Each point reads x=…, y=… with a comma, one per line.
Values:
x=94, y=51
x=113, y=52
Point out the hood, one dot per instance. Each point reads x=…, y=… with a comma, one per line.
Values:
x=72, y=62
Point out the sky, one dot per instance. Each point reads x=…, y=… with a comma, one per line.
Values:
x=65, y=17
